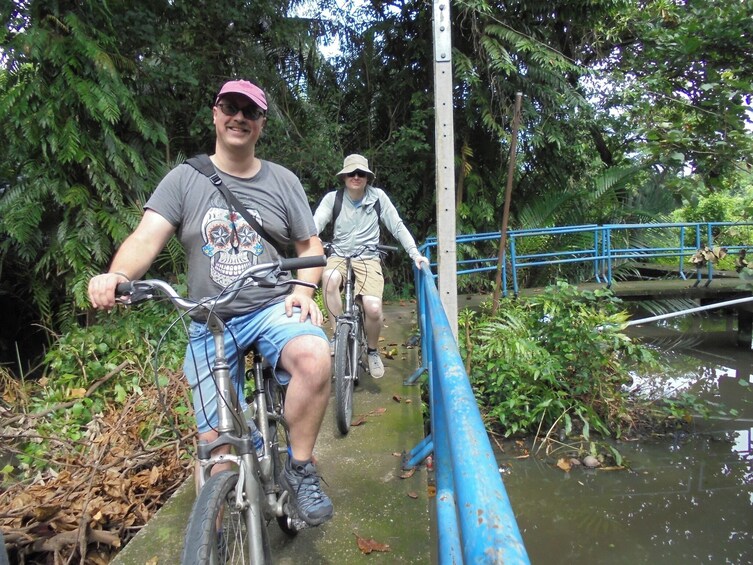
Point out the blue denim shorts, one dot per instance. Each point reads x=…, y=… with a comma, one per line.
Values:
x=270, y=329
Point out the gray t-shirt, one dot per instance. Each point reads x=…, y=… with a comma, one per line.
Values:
x=274, y=196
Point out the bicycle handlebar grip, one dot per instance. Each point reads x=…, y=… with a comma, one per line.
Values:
x=387, y=248
x=293, y=263
x=124, y=288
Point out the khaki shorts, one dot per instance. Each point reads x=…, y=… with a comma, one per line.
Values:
x=369, y=278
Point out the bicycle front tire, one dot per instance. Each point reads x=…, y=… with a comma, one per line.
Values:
x=215, y=505
x=345, y=372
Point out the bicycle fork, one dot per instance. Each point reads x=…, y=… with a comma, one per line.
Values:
x=351, y=321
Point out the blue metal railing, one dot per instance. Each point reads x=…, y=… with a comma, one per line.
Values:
x=475, y=522
x=602, y=247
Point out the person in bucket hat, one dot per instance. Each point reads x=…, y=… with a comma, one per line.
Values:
x=356, y=222
x=354, y=163
x=284, y=322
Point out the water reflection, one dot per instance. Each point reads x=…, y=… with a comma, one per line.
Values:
x=686, y=499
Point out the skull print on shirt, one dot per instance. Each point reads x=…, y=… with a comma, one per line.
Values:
x=231, y=251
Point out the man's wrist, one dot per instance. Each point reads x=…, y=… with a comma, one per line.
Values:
x=305, y=290
x=122, y=274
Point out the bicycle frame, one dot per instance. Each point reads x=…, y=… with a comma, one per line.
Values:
x=352, y=316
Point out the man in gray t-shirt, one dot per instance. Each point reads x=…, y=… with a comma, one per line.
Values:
x=284, y=324
x=216, y=253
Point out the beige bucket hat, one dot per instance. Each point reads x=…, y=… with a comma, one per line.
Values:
x=356, y=162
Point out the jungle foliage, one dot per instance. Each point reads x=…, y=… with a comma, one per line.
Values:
x=631, y=110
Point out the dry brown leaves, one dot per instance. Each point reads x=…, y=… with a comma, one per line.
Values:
x=92, y=504
x=367, y=545
x=361, y=419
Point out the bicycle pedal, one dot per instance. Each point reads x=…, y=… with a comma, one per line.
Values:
x=297, y=524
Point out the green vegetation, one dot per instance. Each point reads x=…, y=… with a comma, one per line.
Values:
x=560, y=361
x=631, y=110
x=94, y=372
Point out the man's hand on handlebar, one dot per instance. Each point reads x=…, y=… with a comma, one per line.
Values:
x=102, y=290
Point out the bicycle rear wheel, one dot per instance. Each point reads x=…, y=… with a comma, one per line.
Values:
x=345, y=373
x=279, y=444
x=204, y=545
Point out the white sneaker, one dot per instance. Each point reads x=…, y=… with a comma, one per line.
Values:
x=376, y=367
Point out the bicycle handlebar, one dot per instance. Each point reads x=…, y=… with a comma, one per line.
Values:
x=263, y=275
x=331, y=248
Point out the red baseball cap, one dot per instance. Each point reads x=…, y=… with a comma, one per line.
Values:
x=247, y=89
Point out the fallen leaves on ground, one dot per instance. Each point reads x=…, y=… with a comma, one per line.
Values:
x=358, y=421
x=408, y=473
x=369, y=545
x=100, y=489
x=361, y=419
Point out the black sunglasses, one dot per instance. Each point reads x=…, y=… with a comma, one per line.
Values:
x=250, y=112
x=356, y=174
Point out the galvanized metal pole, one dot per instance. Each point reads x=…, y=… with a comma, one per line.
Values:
x=444, y=137
x=713, y=306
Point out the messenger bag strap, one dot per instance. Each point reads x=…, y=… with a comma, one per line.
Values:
x=204, y=165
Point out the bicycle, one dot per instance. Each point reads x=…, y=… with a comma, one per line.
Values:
x=350, y=336
x=246, y=497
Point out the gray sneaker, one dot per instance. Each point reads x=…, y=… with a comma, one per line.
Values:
x=306, y=495
x=376, y=367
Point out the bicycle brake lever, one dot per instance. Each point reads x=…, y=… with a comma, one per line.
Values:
x=302, y=283
x=134, y=292
x=270, y=280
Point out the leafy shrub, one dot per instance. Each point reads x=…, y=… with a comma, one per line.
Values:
x=715, y=207
x=558, y=356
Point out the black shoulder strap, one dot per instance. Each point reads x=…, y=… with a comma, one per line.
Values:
x=204, y=165
x=339, y=204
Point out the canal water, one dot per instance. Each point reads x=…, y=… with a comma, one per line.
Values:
x=684, y=498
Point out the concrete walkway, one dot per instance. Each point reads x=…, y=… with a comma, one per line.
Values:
x=362, y=472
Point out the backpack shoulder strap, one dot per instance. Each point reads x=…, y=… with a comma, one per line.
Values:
x=204, y=165
x=339, y=204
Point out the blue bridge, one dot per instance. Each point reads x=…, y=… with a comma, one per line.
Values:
x=598, y=253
